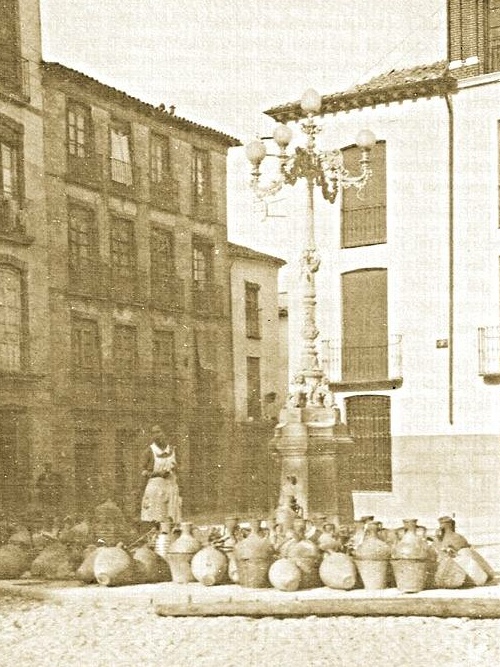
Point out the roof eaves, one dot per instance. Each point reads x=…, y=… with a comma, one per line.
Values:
x=249, y=253
x=385, y=89
x=113, y=94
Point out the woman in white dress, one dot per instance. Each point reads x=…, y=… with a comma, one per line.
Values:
x=161, y=502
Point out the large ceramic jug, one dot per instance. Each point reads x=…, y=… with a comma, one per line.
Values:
x=254, y=556
x=113, y=566
x=372, y=559
x=181, y=554
x=409, y=559
x=337, y=570
x=306, y=556
x=209, y=566
x=150, y=566
x=14, y=561
x=285, y=575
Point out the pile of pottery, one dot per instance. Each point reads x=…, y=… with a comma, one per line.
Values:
x=293, y=554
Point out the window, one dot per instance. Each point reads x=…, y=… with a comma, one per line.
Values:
x=252, y=310
x=79, y=139
x=10, y=177
x=364, y=213
x=160, y=159
x=202, y=264
x=10, y=50
x=82, y=244
x=8, y=156
x=364, y=326
x=121, y=156
x=162, y=256
x=202, y=199
x=163, y=355
x=125, y=352
x=254, y=408
x=85, y=347
x=206, y=368
x=123, y=258
x=369, y=423
x=11, y=319
x=493, y=31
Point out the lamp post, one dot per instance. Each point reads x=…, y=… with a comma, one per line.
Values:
x=326, y=170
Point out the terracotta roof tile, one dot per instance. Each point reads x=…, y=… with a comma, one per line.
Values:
x=412, y=83
x=115, y=95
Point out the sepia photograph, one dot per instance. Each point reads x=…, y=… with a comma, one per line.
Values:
x=249, y=333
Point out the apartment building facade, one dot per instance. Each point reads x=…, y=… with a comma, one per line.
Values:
x=409, y=286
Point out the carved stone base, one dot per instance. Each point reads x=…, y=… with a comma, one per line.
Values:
x=314, y=451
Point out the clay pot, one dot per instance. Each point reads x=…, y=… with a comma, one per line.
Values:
x=372, y=559
x=447, y=538
x=409, y=560
x=53, y=562
x=85, y=572
x=209, y=566
x=150, y=567
x=470, y=564
x=307, y=557
x=113, y=566
x=285, y=575
x=181, y=554
x=14, y=561
x=162, y=544
x=254, y=556
x=338, y=571
x=448, y=573
x=327, y=541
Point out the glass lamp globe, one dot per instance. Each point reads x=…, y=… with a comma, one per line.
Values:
x=282, y=135
x=310, y=102
x=255, y=152
x=366, y=139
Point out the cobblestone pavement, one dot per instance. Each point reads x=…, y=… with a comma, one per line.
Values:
x=127, y=633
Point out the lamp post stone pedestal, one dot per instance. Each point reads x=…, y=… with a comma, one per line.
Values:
x=314, y=450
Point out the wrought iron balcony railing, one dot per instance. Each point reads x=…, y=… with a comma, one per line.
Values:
x=205, y=208
x=207, y=300
x=121, y=172
x=11, y=218
x=15, y=77
x=362, y=364
x=364, y=226
x=168, y=294
x=165, y=194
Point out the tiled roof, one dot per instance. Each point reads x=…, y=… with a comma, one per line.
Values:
x=113, y=94
x=394, y=86
x=249, y=253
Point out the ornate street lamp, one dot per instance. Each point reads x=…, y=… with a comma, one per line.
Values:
x=326, y=170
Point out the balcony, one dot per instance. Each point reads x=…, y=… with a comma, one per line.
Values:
x=15, y=78
x=13, y=221
x=142, y=391
x=85, y=170
x=91, y=282
x=489, y=354
x=365, y=368
x=364, y=226
x=165, y=194
x=123, y=177
x=168, y=294
x=207, y=300
x=205, y=208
